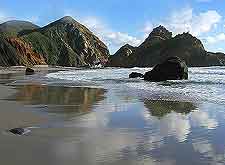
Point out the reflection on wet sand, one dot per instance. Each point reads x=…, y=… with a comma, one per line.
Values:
x=160, y=108
x=59, y=99
x=9, y=77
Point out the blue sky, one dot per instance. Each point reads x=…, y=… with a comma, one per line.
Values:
x=118, y=22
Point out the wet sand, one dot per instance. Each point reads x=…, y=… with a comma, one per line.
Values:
x=14, y=149
x=83, y=125
x=49, y=112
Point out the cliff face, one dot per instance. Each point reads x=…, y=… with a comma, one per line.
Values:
x=64, y=42
x=8, y=55
x=160, y=45
x=14, y=51
x=25, y=52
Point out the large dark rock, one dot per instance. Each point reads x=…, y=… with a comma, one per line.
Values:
x=19, y=131
x=172, y=69
x=135, y=75
x=29, y=71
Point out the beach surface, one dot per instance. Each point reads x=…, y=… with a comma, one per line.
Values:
x=100, y=116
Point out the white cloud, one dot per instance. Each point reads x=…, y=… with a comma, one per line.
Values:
x=33, y=19
x=215, y=39
x=113, y=39
x=173, y=124
x=148, y=27
x=202, y=119
x=187, y=21
x=4, y=17
x=178, y=22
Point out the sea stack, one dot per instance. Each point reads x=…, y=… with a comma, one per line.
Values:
x=172, y=69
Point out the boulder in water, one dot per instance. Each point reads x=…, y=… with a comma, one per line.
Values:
x=19, y=131
x=135, y=75
x=29, y=71
x=172, y=69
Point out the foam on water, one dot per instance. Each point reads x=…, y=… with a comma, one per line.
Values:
x=204, y=84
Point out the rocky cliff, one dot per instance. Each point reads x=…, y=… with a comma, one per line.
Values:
x=160, y=45
x=64, y=42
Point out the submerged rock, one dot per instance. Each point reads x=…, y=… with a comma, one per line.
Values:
x=172, y=69
x=135, y=75
x=19, y=131
x=29, y=71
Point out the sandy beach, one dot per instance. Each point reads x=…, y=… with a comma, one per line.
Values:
x=99, y=116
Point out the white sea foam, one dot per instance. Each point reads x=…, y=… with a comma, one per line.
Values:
x=204, y=84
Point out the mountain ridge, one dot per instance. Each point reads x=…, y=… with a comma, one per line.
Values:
x=64, y=42
x=160, y=45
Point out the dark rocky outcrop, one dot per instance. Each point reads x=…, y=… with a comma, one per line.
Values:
x=136, y=75
x=64, y=42
x=29, y=71
x=172, y=69
x=160, y=45
x=19, y=131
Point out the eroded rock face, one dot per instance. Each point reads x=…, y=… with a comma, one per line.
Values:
x=172, y=69
x=25, y=50
x=8, y=54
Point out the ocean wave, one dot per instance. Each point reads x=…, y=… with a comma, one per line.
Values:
x=204, y=84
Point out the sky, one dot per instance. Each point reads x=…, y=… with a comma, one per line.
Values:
x=118, y=22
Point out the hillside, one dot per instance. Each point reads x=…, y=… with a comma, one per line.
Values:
x=14, y=27
x=64, y=42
